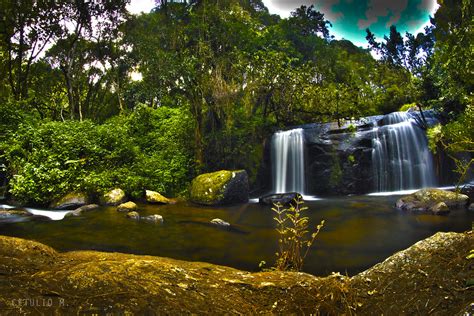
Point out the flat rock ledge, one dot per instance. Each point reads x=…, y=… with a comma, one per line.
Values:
x=427, y=278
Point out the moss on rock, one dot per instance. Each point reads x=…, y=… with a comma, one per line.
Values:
x=425, y=200
x=71, y=200
x=113, y=197
x=127, y=207
x=90, y=282
x=155, y=197
x=220, y=187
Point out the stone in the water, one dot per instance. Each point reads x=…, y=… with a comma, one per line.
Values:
x=282, y=198
x=153, y=218
x=71, y=201
x=440, y=208
x=113, y=197
x=471, y=207
x=80, y=210
x=155, y=197
x=220, y=187
x=219, y=222
x=127, y=207
x=468, y=189
x=133, y=215
x=424, y=200
x=14, y=213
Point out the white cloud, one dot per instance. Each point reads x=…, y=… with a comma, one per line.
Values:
x=139, y=6
x=383, y=8
x=284, y=7
x=327, y=8
x=429, y=5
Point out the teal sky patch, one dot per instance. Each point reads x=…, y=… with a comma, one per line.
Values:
x=350, y=18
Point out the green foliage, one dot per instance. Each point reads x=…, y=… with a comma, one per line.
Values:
x=220, y=74
x=455, y=138
x=146, y=150
x=293, y=241
x=452, y=60
x=351, y=159
x=407, y=106
x=336, y=171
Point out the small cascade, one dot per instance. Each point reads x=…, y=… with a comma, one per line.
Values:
x=400, y=156
x=288, y=161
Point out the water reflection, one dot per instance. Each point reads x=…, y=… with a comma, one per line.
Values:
x=359, y=232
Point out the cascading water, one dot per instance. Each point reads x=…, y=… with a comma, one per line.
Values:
x=400, y=155
x=288, y=161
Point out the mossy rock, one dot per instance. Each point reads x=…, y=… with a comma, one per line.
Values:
x=133, y=215
x=71, y=201
x=220, y=187
x=14, y=213
x=426, y=200
x=127, y=207
x=113, y=197
x=155, y=197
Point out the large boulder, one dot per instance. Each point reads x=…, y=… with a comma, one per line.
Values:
x=428, y=200
x=113, y=197
x=155, y=197
x=220, y=187
x=71, y=201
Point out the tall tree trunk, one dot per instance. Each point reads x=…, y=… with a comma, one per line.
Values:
x=198, y=143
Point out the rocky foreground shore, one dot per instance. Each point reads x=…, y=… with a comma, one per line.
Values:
x=434, y=276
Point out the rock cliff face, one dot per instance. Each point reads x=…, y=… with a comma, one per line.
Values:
x=339, y=158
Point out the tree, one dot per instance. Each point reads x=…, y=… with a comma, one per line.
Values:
x=90, y=29
x=452, y=60
x=27, y=28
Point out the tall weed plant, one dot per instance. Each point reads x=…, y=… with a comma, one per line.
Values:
x=294, y=240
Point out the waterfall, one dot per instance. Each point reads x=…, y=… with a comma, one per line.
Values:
x=288, y=161
x=400, y=156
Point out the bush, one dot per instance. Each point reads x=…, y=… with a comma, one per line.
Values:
x=292, y=228
x=146, y=150
x=455, y=138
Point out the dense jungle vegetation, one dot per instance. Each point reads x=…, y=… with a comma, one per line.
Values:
x=92, y=97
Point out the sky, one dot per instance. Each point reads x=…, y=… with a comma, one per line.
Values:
x=350, y=18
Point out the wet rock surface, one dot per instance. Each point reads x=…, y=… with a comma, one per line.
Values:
x=155, y=218
x=71, y=201
x=156, y=198
x=82, y=209
x=133, y=215
x=219, y=222
x=14, y=212
x=127, y=207
x=436, y=201
x=427, y=278
x=282, y=198
x=113, y=197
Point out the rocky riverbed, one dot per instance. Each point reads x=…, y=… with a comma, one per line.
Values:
x=434, y=276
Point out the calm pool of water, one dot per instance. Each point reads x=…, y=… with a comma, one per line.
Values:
x=359, y=232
